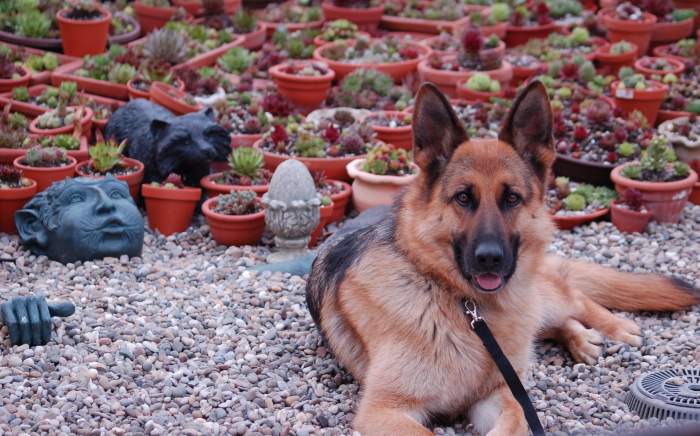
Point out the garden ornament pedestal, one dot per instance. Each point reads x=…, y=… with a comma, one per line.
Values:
x=291, y=210
x=82, y=219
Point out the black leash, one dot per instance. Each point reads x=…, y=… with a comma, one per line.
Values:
x=511, y=377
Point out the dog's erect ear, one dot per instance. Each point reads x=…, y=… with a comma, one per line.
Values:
x=437, y=131
x=528, y=128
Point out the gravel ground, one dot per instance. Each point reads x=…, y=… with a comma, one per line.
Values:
x=186, y=340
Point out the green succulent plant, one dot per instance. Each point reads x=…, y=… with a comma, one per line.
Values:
x=122, y=73
x=21, y=93
x=236, y=60
x=106, y=155
x=33, y=24
x=165, y=45
x=246, y=161
x=237, y=203
x=309, y=146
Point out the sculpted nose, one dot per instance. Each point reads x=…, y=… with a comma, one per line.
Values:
x=489, y=255
x=105, y=204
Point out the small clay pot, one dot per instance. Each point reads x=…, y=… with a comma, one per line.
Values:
x=671, y=31
x=132, y=179
x=333, y=167
x=152, y=17
x=306, y=92
x=613, y=62
x=84, y=37
x=628, y=220
x=170, y=210
x=12, y=200
x=571, y=221
x=447, y=80
x=171, y=98
x=9, y=84
x=326, y=213
x=470, y=95
x=647, y=101
x=215, y=189
x=85, y=125
x=340, y=201
x=45, y=176
x=636, y=32
x=519, y=35
x=231, y=229
x=369, y=190
x=401, y=137
x=135, y=93
x=677, y=67
x=367, y=19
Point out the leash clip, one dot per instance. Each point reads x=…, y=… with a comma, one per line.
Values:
x=470, y=309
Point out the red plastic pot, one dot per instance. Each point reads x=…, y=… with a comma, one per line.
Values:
x=637, y=32
x=135, y=93
x=677, y=67
x=662, y=51
x=647, y=101
x=12, y=200
x=215, y=189
x=447, y=80
x=151, y=17
x=397, y=70
x=170, y=210
x=85, y=125
x=46, y=176
x=663, y=32
x=195, y=8
x=333, y=167
x=367, y=19
x=65, y=73
x=326, y=213
x=231, y=229
x=401, y=136
x=133, y=179
x=695, y=195
x=628, y=220
x=172, y=98
x=664, y=200
x=84, y=37
x=271, y=27
x=613, y=62
x=420, y=25
x=498, y=29
x=519, y=35
x=569, y=222
x=470, y=95
x=306, y=92
x=10, y=84
x=340, y=201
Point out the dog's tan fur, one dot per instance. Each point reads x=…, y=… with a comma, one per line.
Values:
x=393, y=313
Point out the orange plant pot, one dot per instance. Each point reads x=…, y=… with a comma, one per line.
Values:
x=447, y=80
x=44, y=177
x=85, y=125
x=519, y=35
x=170, y=210
x=10, y=84
x=367, y=19
x=647, y=101
x=672, y=31
x=84, y=37
x=333, y=167
x=636, y=32
x=326, y=213
x=370, y=190
x=216, y=189
x=234, y=230
x=613, y=62
x=12, y=200
x=133, y=179
x=569, y=222
x=171, y=98
x=677, y=67
x=627, y=220
x=306, y=92
x=151, y=18
x=467, y=94
x=340, y=201
x=401, y=136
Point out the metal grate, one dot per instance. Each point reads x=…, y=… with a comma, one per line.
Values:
x=673, y=393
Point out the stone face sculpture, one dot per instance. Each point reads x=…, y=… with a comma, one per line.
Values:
x=291, y=209
x=28, y=319
x=82, y=219
x=185, y=145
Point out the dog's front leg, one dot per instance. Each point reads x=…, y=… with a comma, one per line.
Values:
x=499, y=414
x=388, y=415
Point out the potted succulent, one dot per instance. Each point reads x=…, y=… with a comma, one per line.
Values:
x=558, y=46
x=62, y=120
x=390, y=55
x=369, y=89
x=12, y=75
x=246, y=173
x=572, y=204
x=305, y=83
x=393, y=127
x=479, y=86
x=664, y=182
x=236, y=218
x=325, y=215
x=684, y=135
x=291, y=15
x=366, y=14
x=529, y=20
x=242, y=23
x=423, y=17
x=524, y=65
x=15, y=192
x=379, y=177
x=328, y=144
x=46, y=165
x=672, y=23
x=492, y=21
x=338, y=30
x=208, y=8
x=154, y=14
x=626, y=22
x=75, y=144
x=173, y=99
x=338, y=191
x=84, y=27
x=634, y=92
x=683, y=97
x=140, y=85
x=628, y=213
x=658, y=67
x=685, y=50
x=106, y=158
x=482, y=119
x=38, y=63
x=476, y=54
x=14, y=135
x=170, y=204
x=617, y=55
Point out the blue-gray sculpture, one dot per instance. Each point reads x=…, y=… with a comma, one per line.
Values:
x=28, y=319
x=82, y=219
x=184, y=145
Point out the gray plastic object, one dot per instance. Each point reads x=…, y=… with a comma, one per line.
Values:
x=672, y=393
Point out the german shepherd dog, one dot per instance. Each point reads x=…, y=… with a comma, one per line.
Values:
x=388, y=297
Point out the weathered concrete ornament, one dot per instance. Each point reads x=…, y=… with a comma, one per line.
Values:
x=291, y=210
x=82, y=219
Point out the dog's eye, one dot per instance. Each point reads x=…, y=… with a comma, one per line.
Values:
x=463, y=199
x=513, y=199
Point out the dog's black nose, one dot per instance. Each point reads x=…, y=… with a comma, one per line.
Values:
x=489, y=255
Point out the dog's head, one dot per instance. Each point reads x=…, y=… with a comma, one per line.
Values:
x=477, y=206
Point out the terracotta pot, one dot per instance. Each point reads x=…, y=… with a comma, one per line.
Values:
x=151, y=18
x=22, y=107
x=628, y=220
x=333, y=167
x=647, y=101
x=637, y=32
x=234, y=230
x=215, y=189
x=84, y=37
x=690, y=4
x=12, y=200
x=665, y=115
x=85, y=124
x=172, y=98
x=447, y=80
x=695, y=195
x=126, y=38
x=397, y=70
x=369, y=190
x=9, y=84
x=467, y=94
x=46, y=176
x=271, y=27
x=306, y=92
x=662, y=51
x=38, y=77
x=255, y=39
x=65, y=73
x=326, y=213
x=523, y=74
x=170, y=210
x=569, y=222
x=245, y=140
x=8, y=155
x=340, y=201
x=420, y=25
x=135, y=93
x=499, y=29
x=613, y=62
x=81, y=154
x=132, y=179
x=677, y=67
x=401, y=137
x=318, y=42
x=519, y=35
x=664, y=200
x=367, y=19
x=195, y=8
x=672, y=31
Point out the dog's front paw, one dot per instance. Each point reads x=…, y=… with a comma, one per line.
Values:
x=583, y=344
x=625, y=330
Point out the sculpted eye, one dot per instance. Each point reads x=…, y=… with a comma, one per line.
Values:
x=463, y=198
x=513, y=199
x=117, y=195
x=75, y=198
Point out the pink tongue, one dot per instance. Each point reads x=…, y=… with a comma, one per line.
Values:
x=488, y=281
